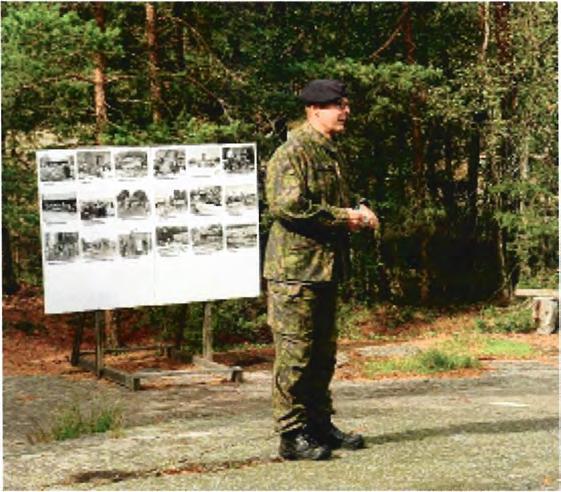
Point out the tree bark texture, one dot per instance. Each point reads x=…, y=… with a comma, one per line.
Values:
x=418, y=153
x=100, y=62
x=503, y=39
x=111, y=330
x=416, y=132
x=179, y=9
x=207, y=331
x=9, y=281
x=473, y=174
x=153, y=65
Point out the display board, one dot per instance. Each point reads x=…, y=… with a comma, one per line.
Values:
x=132, y=226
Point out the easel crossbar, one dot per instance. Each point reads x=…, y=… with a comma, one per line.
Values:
x=132, y=380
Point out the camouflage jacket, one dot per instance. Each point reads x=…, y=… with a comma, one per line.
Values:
x=308, y=240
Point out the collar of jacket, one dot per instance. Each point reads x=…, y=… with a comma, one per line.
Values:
x=318, y=137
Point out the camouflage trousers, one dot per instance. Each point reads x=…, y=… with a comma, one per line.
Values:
x=302, y=319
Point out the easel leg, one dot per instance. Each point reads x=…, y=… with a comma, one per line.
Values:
x=78, y=332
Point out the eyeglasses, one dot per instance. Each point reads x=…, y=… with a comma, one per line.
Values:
x=341, y=105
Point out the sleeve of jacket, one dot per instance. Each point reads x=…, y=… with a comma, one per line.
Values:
x=287, y=194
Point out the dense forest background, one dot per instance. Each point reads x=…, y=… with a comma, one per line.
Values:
x=453, y=136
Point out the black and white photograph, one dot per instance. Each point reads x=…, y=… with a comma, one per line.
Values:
x=207, y=239
x=61, y=247
x=206, y=200
x=57, y=167
x=172, y=240
x=169, y=163
x=240, y=236
x=131, y=164
x=171, y=203
x=204, y=161
x=135, y=244
x=97, y=211
x=133, y=204
x=59, y=208
x=238, y=160
x=98, y=248
x=94, y=165
x=240, y=199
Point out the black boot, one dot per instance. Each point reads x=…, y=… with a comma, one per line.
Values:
x=335, y=438
x=300, y=445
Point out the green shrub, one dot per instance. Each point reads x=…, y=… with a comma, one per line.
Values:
x=350, y=317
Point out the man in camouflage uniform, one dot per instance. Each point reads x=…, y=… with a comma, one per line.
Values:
x=304, y=259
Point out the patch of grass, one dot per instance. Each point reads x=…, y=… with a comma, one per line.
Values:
x=483, y=344
x=506, y=348
x=512, y=319
x=428, y=362
x=460, y=351
x=76, y=419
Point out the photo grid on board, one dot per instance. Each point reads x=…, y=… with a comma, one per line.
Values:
x=113, y=214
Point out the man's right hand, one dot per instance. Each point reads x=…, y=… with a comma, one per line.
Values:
x=355, y=220
x=363, y=218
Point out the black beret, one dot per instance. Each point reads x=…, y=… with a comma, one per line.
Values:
x=323, y=91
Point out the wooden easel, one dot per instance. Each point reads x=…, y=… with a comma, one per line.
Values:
x=132, y=380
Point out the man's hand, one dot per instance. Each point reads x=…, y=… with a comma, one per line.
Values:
x=363, y=218
x=355, y=220
x=370, y=220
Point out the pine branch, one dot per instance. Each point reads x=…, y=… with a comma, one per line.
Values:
x=391, y=39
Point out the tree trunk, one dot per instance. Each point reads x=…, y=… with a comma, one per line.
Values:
x=207, y=331
x=484, y=23
x=416, y=132
x=111, y=330
x=503, y=39
x=153, y=66
x=179, y=41
x=9, y=282
x=449, y=185
x=101, y=117
x=418, y=154
x=182, y=318
x=473, y=174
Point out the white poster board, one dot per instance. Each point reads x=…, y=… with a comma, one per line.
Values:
x=133, y=226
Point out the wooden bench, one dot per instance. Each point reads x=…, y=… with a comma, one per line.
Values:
x=545, y=308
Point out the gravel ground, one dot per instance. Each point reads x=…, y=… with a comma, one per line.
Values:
x=495, y=432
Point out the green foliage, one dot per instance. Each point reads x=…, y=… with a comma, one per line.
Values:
x=240, y=320
x=47, y=60
x=514, y=319
x=178, y=322
x=233, y=322
x=350, y=318
x=230, y=71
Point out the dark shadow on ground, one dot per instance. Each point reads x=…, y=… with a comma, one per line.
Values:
x=506, y=427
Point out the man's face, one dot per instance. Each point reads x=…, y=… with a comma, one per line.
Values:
x=333, y=116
